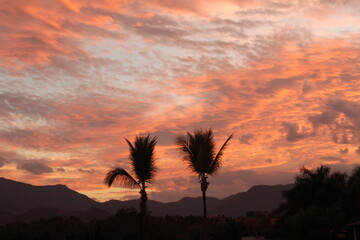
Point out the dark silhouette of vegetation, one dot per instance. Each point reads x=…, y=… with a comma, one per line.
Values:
x=320, y=200
x=201, y=158
x=122, y=226
x=143, y=163
x=320, y=203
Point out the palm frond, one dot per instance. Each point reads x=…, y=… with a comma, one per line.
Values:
x=184, y=146
x=122, y=176
x=142, y=157
x=199, y=151
x=215, y=166
x=132, y=148
x=206, y=151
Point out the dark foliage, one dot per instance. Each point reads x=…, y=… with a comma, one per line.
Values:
x=199, y=152
x=124, y=226
x=320, y=201
x=142, y=157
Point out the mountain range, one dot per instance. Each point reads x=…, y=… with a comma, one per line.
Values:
x=21, y=201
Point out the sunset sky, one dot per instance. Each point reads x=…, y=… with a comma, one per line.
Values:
x=79, y=76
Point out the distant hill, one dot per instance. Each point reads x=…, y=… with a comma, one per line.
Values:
x=17, y=197
x=184, y=207
x=257, y=198
x=20, y=201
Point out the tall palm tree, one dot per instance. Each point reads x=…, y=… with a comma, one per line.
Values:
x=199, y=154
x=142, y=158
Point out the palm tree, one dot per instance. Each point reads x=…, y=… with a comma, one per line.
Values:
x=199, y=154
x=143, y=162
x=314, y=202
x=318, y=187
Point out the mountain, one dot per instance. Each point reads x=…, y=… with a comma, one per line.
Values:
x=17, y=197
x=184, y=207
x=257, y=198
x=21, y=201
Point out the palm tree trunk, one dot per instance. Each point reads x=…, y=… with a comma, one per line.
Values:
x=143, y=213
x=204, y=204
x=204, y=186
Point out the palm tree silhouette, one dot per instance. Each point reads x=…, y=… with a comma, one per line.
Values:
x=143, y=163
x=199, y=154
x=318, y=187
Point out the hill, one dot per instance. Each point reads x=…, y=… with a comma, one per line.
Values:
x=17, y=197
x=257, y=198
x=21, y=201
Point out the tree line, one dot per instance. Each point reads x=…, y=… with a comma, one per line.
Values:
x=124, y=226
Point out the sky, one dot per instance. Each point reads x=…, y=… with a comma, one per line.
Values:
x=78, y=77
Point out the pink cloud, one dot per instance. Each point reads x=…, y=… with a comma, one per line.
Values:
x=82, y=76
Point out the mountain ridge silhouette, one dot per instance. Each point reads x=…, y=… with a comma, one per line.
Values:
x=24, y=201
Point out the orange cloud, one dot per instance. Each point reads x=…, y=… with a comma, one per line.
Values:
x=81, y=76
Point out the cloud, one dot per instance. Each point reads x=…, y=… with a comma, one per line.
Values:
x=358, y=150
x=342, y=118
x=349, y=108
x=327, y=118
x=294, y=133
x=199, y=7
x=78, y=77
x=307, y=87
x=15, y=104
x=82, y=170
x=34, y=32
x=344, y=150
x=279, y=83
x=8, y=157
x=35, y=168
x=245, y=139
x=45, y=124
x=155, y=27
x=342, y=138
x=165, y=137
x=346, y=77
x=330, y=159
x=24, y=137
x=3, y=161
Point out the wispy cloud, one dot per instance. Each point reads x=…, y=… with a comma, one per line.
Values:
x=77, y=77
